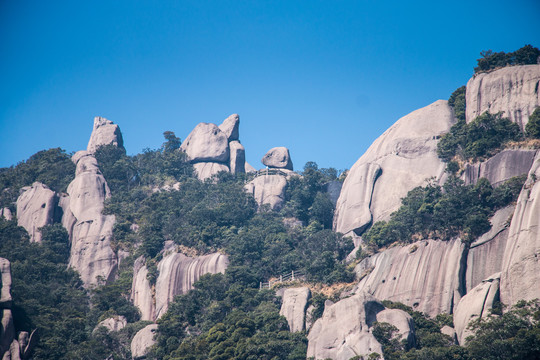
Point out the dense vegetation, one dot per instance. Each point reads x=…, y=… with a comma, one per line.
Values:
x=493, y=60
x=532, y=129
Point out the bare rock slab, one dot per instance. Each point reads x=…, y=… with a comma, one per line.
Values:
x=206, y=143
x=142, y=341
x=278, y=157
x=294, y=305
x=36, y=207
x=105, y=132
x=231, y=127
x=268, y=189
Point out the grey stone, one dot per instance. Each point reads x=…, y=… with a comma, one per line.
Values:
x=141, y=291
x=278, y=157
x=142, y=341
x=268, y=189
x=205, y=170
x=105, y=132
x=402, y=321
x=294, y=307
x=249, y=168
x=449, y=331
x=206, y=143
x=5, y=278
x=6, y=213
x=333, y=189
x=237, y=162
x=501, y=167
x=406, y=153
x=231, y=127
x=36, y=207
x=512, y=90
x=115, y=323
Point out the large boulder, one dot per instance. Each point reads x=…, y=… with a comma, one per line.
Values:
x=402, y=321
x=501, y=167
x=36, y=207
x=476, y=304
x=115, y=323
x=142, y=341
x=343, y=331
x=237, y=161
x=231, y=127
x=268, y=189
x=278, y=157
x=405, y=156
x=206, y=143
x=294, y=305
x=91, y=234
x=521, y=263
x=6, y=213
x=141, y=291
x=105, y=132
x=5, y=283
x=512, y=90
x=205, y=170
x=424, y=275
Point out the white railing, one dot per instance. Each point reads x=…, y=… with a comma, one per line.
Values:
x=289, y=277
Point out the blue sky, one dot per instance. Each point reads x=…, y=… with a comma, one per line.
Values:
x=323, y=78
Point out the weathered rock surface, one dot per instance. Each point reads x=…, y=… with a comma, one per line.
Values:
x=406, y=154
x=333, y=189
x=105, y=132
x=36, y=207
x=91, y=234
x=486, y=254
x=237, y=163
x=521, y=263
x=343, y=330
x=207, y=143
x=475, y=305
x=512, y=90
x=294, y=307
x=249, y=168
x=141, y=291
x=206, y=170
x=278, y=157
x=268, y=189
x=449, y=331
x=142, y=341
x=6, y=213
x=501, y=167
x=178, y=272
x=403, y=321
x=231, y=127
x=115, y=323
x=423, y=275
x=5, y=290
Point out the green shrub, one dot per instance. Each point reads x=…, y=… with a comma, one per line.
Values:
x=492, y=60
x=532, y=129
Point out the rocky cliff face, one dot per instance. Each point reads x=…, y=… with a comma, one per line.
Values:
x=36, y=207
x=399, y=160
x=294, y=306
x=512, y=90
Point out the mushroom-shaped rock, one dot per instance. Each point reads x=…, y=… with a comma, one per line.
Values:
x=278, y=157
x=206, y=143
x=105, y=132
x=294, y=307
x=231, y=127
x=206, y=170
x=142, y=341
x=115, y=323
x=268, y=189
x=406, y=154
x=343, y=330
x=237, y=162
x=423, y=275
x=36, y=207
x=475, y=305
x=402, y=321
x=512, y=90
x=521, y=265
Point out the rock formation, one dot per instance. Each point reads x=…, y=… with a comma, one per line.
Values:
x=231, y=127
x=237, y=163
x=423, y=275
x=402, y=321
x=36, y=207
x=501, y=167
x=475, y=305
x=404, y=156
x=206, y=170
x=142, y=341
x=206, y=143
x=521, y=264
x=177, y=273
x=268, y=189
x=278, y=158
x=343, y=330
x=105, y=132
x=6, y=213
x=294, y=305
x=115, y=323
x=512, y=90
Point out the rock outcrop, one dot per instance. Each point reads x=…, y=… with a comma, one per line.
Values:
x=268, y=189
x=476, y=304
x=406, y=156
x=237, y=163
x=105, y=132
x=344, y=329
x=6, y=213
x=142, y=341
x=36, y=207
x=206, y=143
x=206, y=170
x=423, y=275
x=115, y=323
x=501, y=167
x=521, y=263
x=177, y=273
x=294, y=305
x=91, y=233
x=512, y=90
x=231, y=127
x=278, y=158
x=402, y=321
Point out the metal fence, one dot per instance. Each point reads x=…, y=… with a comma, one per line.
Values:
x=288, y=277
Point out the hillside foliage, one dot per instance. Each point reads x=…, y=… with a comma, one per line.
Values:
x=490, y=60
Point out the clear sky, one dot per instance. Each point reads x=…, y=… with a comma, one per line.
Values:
x=323, y=78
